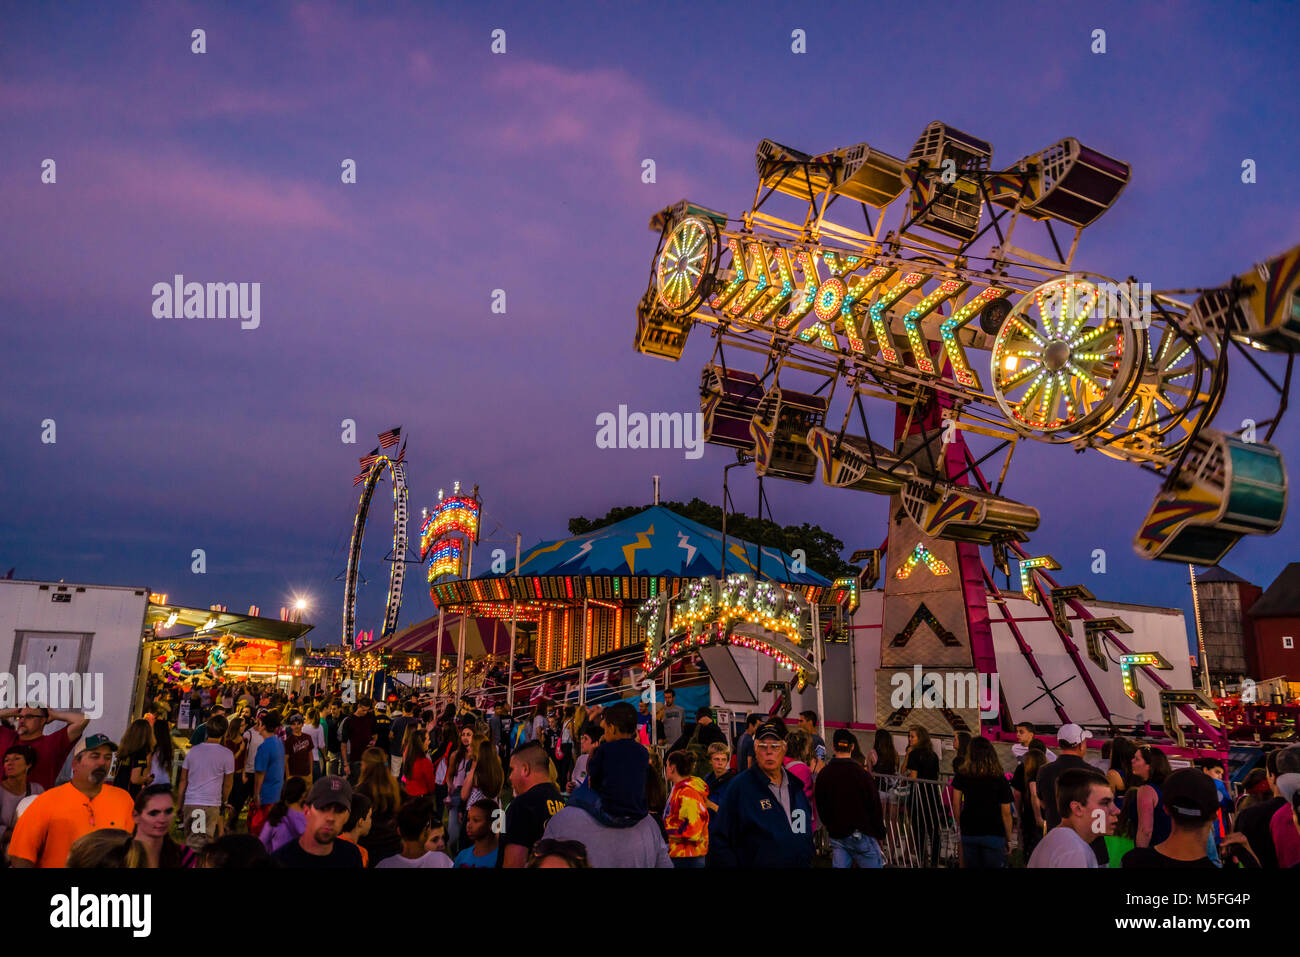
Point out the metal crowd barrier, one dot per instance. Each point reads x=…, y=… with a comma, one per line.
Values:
x=919, y=828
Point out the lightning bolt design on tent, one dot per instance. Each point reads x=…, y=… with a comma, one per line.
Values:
x=629, y=551
x=683, y=541
x=586, y=547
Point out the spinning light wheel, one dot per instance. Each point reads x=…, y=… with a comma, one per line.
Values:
x=685, y=265
x=1178, y=386
x=1064, y=358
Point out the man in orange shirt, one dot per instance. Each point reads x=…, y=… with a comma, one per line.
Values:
x=45, y=832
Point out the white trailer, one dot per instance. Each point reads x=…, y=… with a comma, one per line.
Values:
x=78, y=644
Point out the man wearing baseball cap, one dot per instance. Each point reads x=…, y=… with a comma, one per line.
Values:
x=1192, y=802
x=849, y=804
x=46, y=831
x=328, y=805
x=1073, y=747
x=765, y=819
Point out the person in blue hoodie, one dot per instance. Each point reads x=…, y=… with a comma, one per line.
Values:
x=764, y=818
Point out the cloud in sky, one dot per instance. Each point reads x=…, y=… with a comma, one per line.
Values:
x=522, y=172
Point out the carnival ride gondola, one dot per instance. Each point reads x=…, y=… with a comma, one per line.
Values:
x=1073, y=358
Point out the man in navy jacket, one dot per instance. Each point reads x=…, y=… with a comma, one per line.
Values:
x=764, y=819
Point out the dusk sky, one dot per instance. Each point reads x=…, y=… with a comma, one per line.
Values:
x=522, y=172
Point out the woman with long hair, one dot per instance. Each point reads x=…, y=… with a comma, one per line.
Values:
x=458, y=772
x=981, y=806
x=883, y=759
x=486, y=776
x=1142, y=818
x=164, y=749
x=1031, y=807
x=134, y=756
x=961, y=743
x=235, y=741
x=377, y=783
x=798, y=758
x=564, y=747
x=921, y=763
x=417, y=770
x=447, y=742
x=287, y=819
x=155, y=810
x=537, y=722
x=656, y=791
x=107, y=847
x=312, y=728
x=1121, y=766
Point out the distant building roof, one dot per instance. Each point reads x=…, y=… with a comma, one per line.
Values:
x=1282, y=598
x=1217, y=574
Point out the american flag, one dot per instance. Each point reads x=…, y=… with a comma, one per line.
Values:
x=388, y=439
x=359, y=479
x=402, y=454
x=369, y=460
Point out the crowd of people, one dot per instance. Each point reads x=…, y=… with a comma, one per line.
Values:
x=269, y=779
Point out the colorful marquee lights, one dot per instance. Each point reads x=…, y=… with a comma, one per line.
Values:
x=710, y=611
x=456, y=514
x=772, y=282
x=1027, y=566
x=445, y=560
x=1148, y=659
x=921, y=554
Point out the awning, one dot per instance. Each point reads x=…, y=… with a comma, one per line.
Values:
x=190, y=622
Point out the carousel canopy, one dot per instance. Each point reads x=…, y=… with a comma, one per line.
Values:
x=623, y=561
x=660, y=542
x=482, y=636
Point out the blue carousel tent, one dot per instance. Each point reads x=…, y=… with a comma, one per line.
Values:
x=629, y=560
x=659, y=542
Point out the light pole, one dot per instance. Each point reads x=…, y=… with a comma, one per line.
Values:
x=741, y=459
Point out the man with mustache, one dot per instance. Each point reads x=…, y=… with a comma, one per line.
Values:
x=328, y=805
x=46, y=830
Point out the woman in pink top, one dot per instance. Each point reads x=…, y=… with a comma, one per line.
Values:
x=797, y=755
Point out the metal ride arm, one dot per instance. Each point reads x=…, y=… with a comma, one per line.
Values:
x=1073, y=358
x=1214, y=734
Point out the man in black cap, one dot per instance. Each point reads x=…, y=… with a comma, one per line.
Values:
x=849, y=805
x=765, y=819
x=328, y=804
x=1192, y=802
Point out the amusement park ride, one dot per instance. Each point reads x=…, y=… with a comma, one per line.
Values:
x=904, y=314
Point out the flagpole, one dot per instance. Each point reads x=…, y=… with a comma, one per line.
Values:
x=514, y=611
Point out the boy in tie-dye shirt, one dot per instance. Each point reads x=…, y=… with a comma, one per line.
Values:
x=686, y=819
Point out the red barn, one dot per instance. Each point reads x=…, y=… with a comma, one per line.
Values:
x=1276, y=648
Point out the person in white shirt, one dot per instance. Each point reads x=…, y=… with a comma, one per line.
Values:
x=207, y=775
x=414, y=822
x=312, y=728
x=1088, y=811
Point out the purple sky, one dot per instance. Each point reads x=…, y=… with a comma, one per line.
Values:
x=522, y=172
